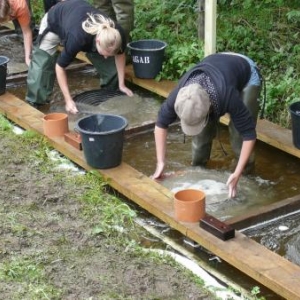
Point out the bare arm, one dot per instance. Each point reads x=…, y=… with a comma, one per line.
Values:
x=120, y=65
x=233, y=179
x=160, y=144
x=27, y=34
x=63, y=84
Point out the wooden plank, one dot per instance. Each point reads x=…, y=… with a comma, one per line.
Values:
x=162, y=88
x=268, y=268
x=276, y=136
x=210, y=27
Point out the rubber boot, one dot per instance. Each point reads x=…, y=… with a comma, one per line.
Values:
x=106, y=69
x=41, y=77
x=202, y=143
x=250, y=98
x=124, y=11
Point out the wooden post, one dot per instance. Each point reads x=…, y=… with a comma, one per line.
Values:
x=210, y=27
x=201, y=19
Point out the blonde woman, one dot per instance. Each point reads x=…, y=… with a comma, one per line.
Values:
x=78, y=27
x=18, y=10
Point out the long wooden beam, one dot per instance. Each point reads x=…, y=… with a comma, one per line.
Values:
x=263, y=265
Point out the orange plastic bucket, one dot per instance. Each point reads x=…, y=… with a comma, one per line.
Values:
x=55, y=124
x=189, y=205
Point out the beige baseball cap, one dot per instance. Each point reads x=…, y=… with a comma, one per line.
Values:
x=192, y=106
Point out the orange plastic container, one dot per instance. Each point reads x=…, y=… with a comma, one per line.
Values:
x=55, y=124
x=189, y=205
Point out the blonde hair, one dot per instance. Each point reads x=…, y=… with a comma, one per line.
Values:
x=5, y=11
x=109, y=37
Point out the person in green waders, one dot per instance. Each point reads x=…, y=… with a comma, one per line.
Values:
x=78, y=26
x=122, y=12
x=221, y=83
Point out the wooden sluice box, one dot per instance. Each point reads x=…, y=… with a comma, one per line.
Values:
x=261, y=264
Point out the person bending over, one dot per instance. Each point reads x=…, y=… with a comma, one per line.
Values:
x=221, y=83
x=78, y=26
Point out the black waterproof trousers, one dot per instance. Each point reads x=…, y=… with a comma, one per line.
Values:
x=202, y=143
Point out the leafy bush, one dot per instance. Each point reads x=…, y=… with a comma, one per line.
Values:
x=175, y=23
x=268, y=32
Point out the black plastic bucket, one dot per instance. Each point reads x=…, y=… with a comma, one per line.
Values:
x=102, y=139
x=3, y=73
x=295, y=117
x=147, y=57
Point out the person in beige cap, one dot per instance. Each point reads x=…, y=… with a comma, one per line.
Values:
x=221, y=83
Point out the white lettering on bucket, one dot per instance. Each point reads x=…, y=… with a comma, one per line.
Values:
x=141, y=60
x=91, y=139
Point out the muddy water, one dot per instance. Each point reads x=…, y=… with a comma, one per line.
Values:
x=274, y=179
x=11, y=46
x=140, y=108
x=281, y=235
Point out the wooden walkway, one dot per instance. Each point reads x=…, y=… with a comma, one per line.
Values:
x=263, y=265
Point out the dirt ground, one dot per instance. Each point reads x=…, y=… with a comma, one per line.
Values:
x=47, y=246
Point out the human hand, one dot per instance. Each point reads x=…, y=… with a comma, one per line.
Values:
x=159, y=171
x=126, y=90
x=71, y=107
x=232, y=185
